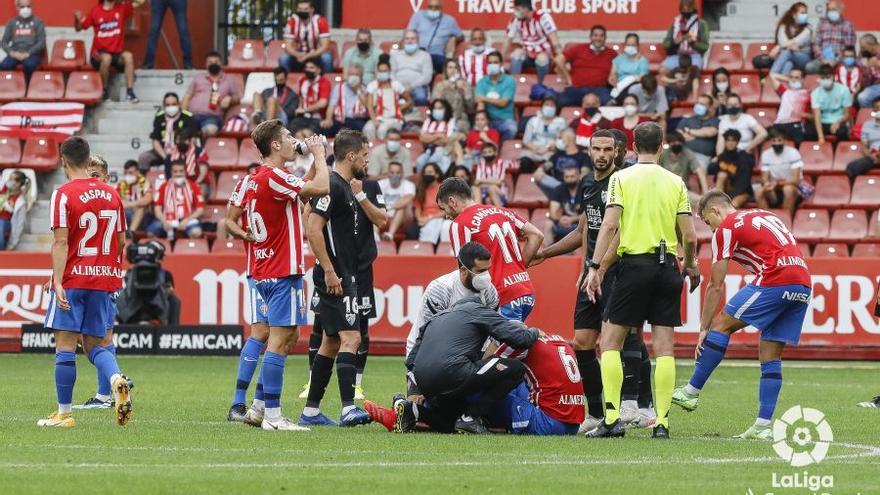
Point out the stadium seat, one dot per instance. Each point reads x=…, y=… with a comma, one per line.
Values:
x=388, y=46
x=705, y=251
x=226, y=182
x=510, y=150
x=555, y=83
x=386, y=248
x=654, y=52
x=414, y=146
x=874, y=226
x=246, y=56
x=248, y=153
x=274, y=51
x=445, y=249
x=12, y=86
x=570, y=113
x=848, y=226
x=727, y=55
x=213, y=214
x=46, y=86
x=222, y=152
x=846, y=152
x=191, y=246
x=256, y=82
x=831, y=192
x=68, y=55
x=524, y=83
x=765, y=116
x=40, y=153
x=817, y=157
x=863, y=116
x=680, y=112
x=810, y=226
x=769, y=94
x=228, y=246
x=526, y=194
x=783, y=215
x=866, y=192
x=84, y=87
x=522, y=212
x=755, y=49
x=529, y=112
x=10, y=150
x=866, y=250
x=831, y=250
x=747, y=86
x=540, y=218
x=704, y=233
x=415, y=248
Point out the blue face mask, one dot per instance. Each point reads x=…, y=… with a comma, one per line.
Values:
x=833, y=15
x=700, y=109
x=548, y=111
x=849, y=61
x=410, y=48
x=802, y=18
x=433, y=14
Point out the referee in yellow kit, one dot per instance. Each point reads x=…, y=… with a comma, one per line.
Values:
x=645, y=205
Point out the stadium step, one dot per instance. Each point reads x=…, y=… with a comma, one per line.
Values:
x=117, y=148
x=749, y=19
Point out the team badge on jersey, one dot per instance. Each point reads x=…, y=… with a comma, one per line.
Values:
x=323, y=203
x=350, y=318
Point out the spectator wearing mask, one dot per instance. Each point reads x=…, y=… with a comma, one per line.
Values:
x=684, y=82
x=700, y=130
x=679, y=160
x=308, y=37
x=833, y=34
x=539, y=138
x=108, y=20
x=314, y=92
x=687, y=34
x=24, y=40
x=278, y=102
x=721, y=89
x=750, y=131
x=157, y=16
x=628, y=67
x=653, y=103
x=391, y=151
x=13, y=209
x=348, y=104
x=794, y=41
x=456, y=90
x=431, y=223
x=733, y=169
x=870, y=81
x=440, y=137
x=178, y=206
x=210, y=95
x=590, y=120
x=794, y=104
x=781, y=171
x=398, y=193
x=495, y=94
x=387, y=100
x=475, y=59
x=631, y=118
x=868, y=46
x=364, y=54
x=568, y=155
x=831, y=103
x=481, y=133
x=848, y=71
x=413, y=67
x=189, y=149
x=489, y=175
x=462, y=172
x=589, y=68
x=564, y=207
x=167, y=123
x=534, y=31
x=137, y=195
x=438, y=33
x=870, y=145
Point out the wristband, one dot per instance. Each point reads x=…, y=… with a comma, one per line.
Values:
x=594, y=265
x=360, y=196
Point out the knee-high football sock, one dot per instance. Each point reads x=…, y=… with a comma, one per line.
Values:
x=345, y=374
x=612, y=381
x=247, y=365
x=632, y=360
x=646, y=394
x=315, y=341
x=65, y=378
x=273, y=382
x=103, y=381
x=105, y=361
x=363, y=351
x=768, y=390
x=591, y=374
x=664, y=382
x=259, y=398
x=714, y=348
x=322, y=370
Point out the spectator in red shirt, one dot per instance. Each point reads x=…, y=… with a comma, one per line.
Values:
x=631, y=118
x=211, y=95
x=589, y=68
x=108, y=21
x=308, y=37
x=178, y=206
x=314, y=96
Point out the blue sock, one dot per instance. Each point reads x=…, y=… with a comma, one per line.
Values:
x=247, y=365
x=258, y=393
x=273, y=379
x=65, y=376
x=714, y=348
x=104, y=381
x=768, y=391
x=105, y=361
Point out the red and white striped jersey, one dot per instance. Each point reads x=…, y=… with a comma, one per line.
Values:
x=386, y=97
x=307, y=34
x=498, y=230
x=310, y=92
x=533, y=33
x=431, y=126
x=473, y=65
x=270, y=199
x=178, y=202
x=849, y=77
x=761, y=243
x=237, y=199
x=92, y=212
x=496, y=170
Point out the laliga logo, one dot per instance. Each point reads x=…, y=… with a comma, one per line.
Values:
x=802, y=436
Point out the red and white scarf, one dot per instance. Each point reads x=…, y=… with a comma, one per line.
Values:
x=358, y=110
x=686, y=28
x=380, y=100
x=179, y=200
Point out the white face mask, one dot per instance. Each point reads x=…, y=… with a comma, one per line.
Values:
x=722, y=86
x=493, y=69
x=130, y=179
x=630, y=110
x=478, y=48
x=10, y=184
x=631, y=50
x=795, y=84
x=392, y=146
x=826, y=83
x=179, y=180
x=24, y=12
x=354, y=80
x=171, y=110
x=482, y=281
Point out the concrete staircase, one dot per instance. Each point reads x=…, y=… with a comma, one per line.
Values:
x=756, y=19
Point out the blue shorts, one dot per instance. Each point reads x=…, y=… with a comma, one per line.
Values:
x=521, y=417
x=89, y=313
x=285, y=299
x=518, y=309
x=259, y=309
x=484, y=194
x=111, y=313
x=778, y=312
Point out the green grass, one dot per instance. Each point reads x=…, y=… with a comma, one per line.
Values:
x=179, y=441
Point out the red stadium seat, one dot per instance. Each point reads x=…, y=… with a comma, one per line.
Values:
x=810, y=226
x=747, y=86
x=191, y=246
x=727, y=55
x=555, y=83
x=523, y=212
x=765, y=116
x=228, y=246
x=704, y=233
x=226, y=182
x=222, y=152
x=529, y=112
x=246, y=56
x=386, y=248
x=679, y=112
x=213, y=214
x=570, y=113
x=540, y=218
x=866, y=250
x=654, y=52
x=12, y=86
x=866, y=192
x=831, y=192
x=445, y=249
x=863, y=116
x=389, y=46
x=460, y=48
x=46, y=86
x=783, y=215
x=40, y=153
x=510, y=150
x=848, y=226
x=524, y=83
x=274, y=51
x=755, y=49
x=847, y=151
x=84, y=87
x=10, y=150
x=68, y=55
x=248, y=153
x=415, y=248
x=769, y=94
x=527, y=194
x=874, y=225
x=831, y=250
x=414, y=146
x=817, y=157
x=705, y=251
x=705, y=85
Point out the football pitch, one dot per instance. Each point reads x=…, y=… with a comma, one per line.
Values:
x=179, y=442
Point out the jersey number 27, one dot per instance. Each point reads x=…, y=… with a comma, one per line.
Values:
x=90, y=222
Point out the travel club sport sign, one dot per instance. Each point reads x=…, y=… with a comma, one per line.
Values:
x=213, y=291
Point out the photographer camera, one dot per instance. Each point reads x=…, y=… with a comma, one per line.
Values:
x=149, y=293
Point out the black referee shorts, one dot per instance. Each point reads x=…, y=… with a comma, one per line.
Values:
x=645, y=290
x=589, y=315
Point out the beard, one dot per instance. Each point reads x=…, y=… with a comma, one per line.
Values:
x=359, y=174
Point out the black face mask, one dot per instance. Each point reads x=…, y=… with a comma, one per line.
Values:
x=303, y=15
x=311, y=75
x=777, y=148
x=429, y=179
x=571, y=185
x=734, y=110
x=280, y=86
x=363, y=46
x=591, y=111
x=676, y=148
x=214, y=69
x=489, y=158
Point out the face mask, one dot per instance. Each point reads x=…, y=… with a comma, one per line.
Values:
x=438, y=114
x=493, y=69
x=777, y=148
x=722, y=86
x=519, y=14
x=10, y=184
x=302, y=15
x=214, y=69
x=481, y=281
x=560, y=145
x=410, y=48
x=24, y=12
x=795, y=84
x=700, y=109
x=433, y=14
x=591, y=111
x=597, y=48
x=734, y=110
x=354, y=80
x=676, y=148
x=311, y=75
x=686, y=13
x=363, y=46
x=802, y=18
x=130, y=179
x=478, y=48
x=849, y=61
x=833, y=15
x=383, y=76
x=826, y=83
x=429, y=179
x=548, y=111
x=630, y=110
x=179, y=180
x=631, y=50
x=392, y=146
x=571, y=185
x=171, y=110
x=395, y=180
x=453, y=77
x=488, y=158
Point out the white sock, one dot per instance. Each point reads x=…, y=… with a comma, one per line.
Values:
x=346, y=409
x=762, y=422
x=65, y=408
x=259, y=405
x=358, y=378
x=690, y=390
x=311, y=411
x=114, y=377
x=629, y=404
x=102, y=398
x=273, y=413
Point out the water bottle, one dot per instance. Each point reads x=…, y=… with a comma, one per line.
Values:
x=248, y=52
x=303, y=149
x=69, y=52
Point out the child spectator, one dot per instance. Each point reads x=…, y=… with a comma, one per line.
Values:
x=489, y=175
x=848, y=71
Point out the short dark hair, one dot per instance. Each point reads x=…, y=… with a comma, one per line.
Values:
x=470, y=253
x=280, y=70
x=713, y=197
x=632, y=35
x=348, y=141
x=75, y=151
x=384, y=59
x=649, y=82
x=394, y=131
x=875, y=101
x=523, y=3
x=849, y=48
x=453, y=186
x=314, y=61
x=252, y=165
x=775, y=133
x=129, y=164
x=489, y=144
x=731, y=134
x=604, y=133
x=598, y=27
x=648, y=137
x=675, y=137
x=826, y=70
x=214, y=53
x=552, y=99
x=265, y=133
x=620, y=138
x=310, y=2
x=391, y=164
x=734, y=95
x=495, y=54
x=179, y=161
x=171, y=93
